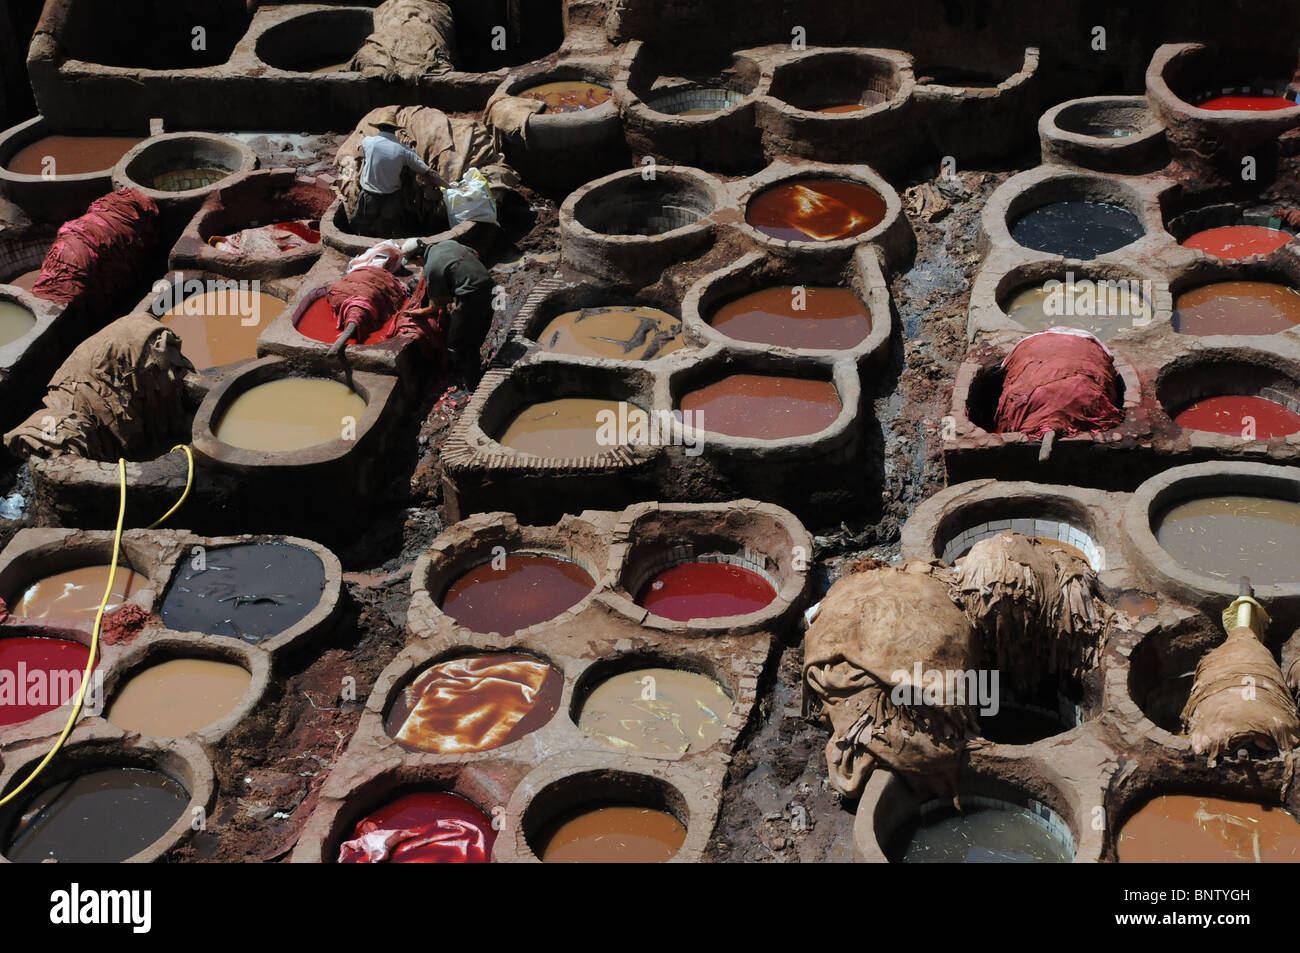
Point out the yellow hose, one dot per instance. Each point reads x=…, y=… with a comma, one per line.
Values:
x=99, y=615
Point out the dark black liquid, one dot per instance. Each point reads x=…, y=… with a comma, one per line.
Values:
x=1080, y=230
x=102, y=817
x=250, y=591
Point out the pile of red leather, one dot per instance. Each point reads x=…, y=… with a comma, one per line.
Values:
x=1063, y=380
x=99, y=254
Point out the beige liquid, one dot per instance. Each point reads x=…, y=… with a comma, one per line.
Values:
x=629, y=333
x=212, y=325
x=174, y=698
x=15, y=321
x=559, y=428
x=674, y=713
x=73, y=596
x=292, y=413
x=1100, y=311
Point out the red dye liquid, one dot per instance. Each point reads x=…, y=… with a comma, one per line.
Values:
x=524, y=589
x=35, y=676
x=319, y=324
x=1227, y=415
x=1252, y=103
x=1239, y=241
x=440, y=828
x=701, y=590
x=308, y=234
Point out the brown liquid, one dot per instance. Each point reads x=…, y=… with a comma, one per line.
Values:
x=569, y=95
x=1181, y=828
x=831, y=318
x=843, y=108
x=73, y=596
x=763, y=406
x=72, y=155
x=518, y=591
x=212, y=325
x=1232, y=536
x=332, y=68
x=289, y=414
x=1100, y=311
x=1237, y=307
x=819, y=210
x=15, y=321
x=559, y=428
x=1137, y=604
x=634, y=333
x=27, y=280
x=624, y=835
x=175, y=698
x=475, y=704
x=685, y=712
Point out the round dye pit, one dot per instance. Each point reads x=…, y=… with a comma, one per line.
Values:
x=436, y=828
x=629, y=205
x=763, y=406
x=221, y=326
x=1100, y=308
x=475, y=703
x=104, y=816
x=657, y=710
x=818, y=210
x=695, y=101
x=1021, y=724
x=568, y=96
x=73, y=596
x=1238, y=241
x=617, y=332
x=320, y=323
x=1237, y=307
x=515, y=592
x=180, y=696
x=291, y=413
x=183, y=180
x=1232, y=536
x=612, y=834
x=38, y=675
x=796, y=316
x=72, y=155
x=1261, y=98
x=986, y=832
x=1231, y=414
x=249, y=591
x=15, y=321
x=565, y=428
x=1184, y=828
x=1081, y=230
x=705, y=589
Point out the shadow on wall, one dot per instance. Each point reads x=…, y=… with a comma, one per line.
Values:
x=527, y=29
x=154, y=34
x=17, y=23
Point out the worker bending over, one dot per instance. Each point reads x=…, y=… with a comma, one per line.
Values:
x=457, y=283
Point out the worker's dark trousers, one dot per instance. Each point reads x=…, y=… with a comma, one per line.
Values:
x=471, y=320
x=381, y=216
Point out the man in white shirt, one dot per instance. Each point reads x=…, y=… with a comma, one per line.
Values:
x=381, y=210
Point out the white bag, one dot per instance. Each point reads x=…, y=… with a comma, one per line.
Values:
x=470, y=200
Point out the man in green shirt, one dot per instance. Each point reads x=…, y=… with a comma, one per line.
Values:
x=459, y=284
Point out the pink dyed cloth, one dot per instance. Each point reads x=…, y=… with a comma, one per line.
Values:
x=448, y=840
x=95, y=257
x=1062, y=379
x=377, y=301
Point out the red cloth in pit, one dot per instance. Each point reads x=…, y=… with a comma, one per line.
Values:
x=422, y=828
x=1060, y=380
x=378, y=302
x=98, y=254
